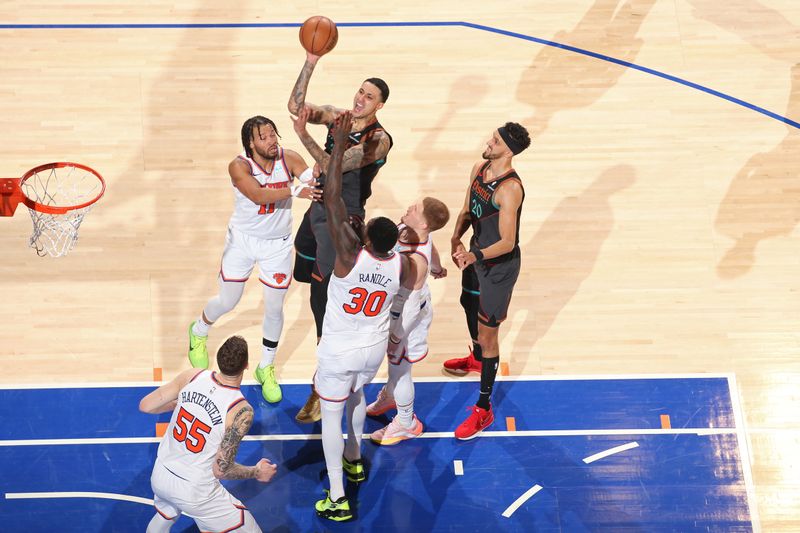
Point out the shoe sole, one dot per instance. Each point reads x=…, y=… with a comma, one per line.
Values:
x=322, y=514
x=393, y=440
x=460, y=372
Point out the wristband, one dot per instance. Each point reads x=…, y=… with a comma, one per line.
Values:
x=307, y=176
x=478, y=254
x=295, y=189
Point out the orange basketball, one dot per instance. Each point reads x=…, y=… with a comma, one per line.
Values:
x=318, y=35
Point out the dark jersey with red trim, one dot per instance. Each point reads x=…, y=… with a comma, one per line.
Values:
x=485, y=214
x=357, y=183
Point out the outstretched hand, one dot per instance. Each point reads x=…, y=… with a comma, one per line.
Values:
x=299, y=122
x=341, y=127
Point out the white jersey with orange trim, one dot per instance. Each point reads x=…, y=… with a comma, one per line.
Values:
x=197, y=427
x=270, y=221
x=418, y=297
x=358, y=304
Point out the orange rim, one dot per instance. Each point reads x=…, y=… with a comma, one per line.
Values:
x=60, y=210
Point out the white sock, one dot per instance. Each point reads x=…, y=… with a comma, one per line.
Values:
x=333, y=445
x=403, y=392
x=267, y=356
x=356, y=416
x=159, y=524
x=201, y=327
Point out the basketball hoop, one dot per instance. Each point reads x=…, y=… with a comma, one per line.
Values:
x=58, y=196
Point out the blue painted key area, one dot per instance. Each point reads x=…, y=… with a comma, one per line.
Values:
x=672, y=480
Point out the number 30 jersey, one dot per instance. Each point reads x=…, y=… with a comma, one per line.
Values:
x=197, y=427
x=358, y=304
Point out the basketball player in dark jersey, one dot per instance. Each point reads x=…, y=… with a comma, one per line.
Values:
x=366, y=153
x=492, y=208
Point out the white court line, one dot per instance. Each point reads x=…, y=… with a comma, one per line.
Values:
x=522, y=499
x=458, y=466
x=102, y=495
x=443, y=379
x=426, y=435
x=610, y=451
x=744, y=452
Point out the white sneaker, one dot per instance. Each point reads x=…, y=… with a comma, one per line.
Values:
x=394, y=432
x=381, y=404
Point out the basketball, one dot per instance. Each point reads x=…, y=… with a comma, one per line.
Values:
x=318, y=35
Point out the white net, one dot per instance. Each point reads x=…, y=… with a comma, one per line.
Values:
x=59, y=187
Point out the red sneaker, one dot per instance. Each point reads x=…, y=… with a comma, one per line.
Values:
x=476, y=422
x=461, y=366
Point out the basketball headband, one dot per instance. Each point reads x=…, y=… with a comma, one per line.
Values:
x=513, y=145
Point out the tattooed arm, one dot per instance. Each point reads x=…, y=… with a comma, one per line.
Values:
x=237, y=424
x=297, y=100
x=370, y=150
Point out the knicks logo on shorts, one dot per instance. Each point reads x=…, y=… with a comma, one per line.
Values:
x=279, y=278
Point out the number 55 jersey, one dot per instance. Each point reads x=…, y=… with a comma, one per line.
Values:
x=197, y=427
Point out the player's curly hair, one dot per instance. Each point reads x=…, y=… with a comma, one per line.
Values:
x=232, y=356
x=518, y=134
x=247, y=131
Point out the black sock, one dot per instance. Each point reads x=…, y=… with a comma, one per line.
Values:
x=488, y=373
x=477, y=351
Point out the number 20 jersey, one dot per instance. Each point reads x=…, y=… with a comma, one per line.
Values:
x=358, y=304
x=197, y=427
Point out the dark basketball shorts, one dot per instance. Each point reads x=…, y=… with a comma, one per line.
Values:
x=496, y=282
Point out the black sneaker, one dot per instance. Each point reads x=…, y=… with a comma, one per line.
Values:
x=338, y=511
x=354, y=470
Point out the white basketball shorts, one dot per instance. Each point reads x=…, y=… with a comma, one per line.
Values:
x=211, y=506
x=342, y=368
x=273, y=256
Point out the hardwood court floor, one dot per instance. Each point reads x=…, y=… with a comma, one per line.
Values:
x=659, y=232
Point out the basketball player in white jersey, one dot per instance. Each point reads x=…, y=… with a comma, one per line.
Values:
x=259, y=231
x=420, y=220
x=368, y=283
x=210, y=416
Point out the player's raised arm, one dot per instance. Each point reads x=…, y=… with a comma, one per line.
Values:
x=297, y=100
x=345, y=241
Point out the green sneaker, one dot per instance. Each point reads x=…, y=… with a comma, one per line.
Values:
x=338, y=511
x=354, y=470
x=269, y=386
x=198, y=353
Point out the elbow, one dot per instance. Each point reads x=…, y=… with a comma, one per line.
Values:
x=143, y=407
x=217, y=471
x=294, y=109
